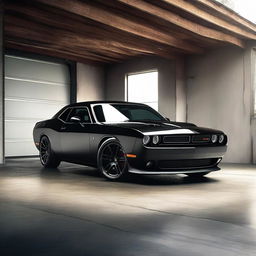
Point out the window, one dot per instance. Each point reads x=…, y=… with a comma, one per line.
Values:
x=108, y=113
x=82, y=113
x=143, y=88
x=116, y=113
x=64, y=115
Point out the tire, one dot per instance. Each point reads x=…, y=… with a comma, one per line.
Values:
x=112, y=161
x=198, y=175
x=47, y=157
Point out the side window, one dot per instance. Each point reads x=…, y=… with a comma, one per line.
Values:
x=64, y=115
x=82, y=113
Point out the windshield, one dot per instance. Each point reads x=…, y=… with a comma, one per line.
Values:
x=116, y=113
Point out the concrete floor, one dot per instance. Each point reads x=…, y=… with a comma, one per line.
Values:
x=74, y=211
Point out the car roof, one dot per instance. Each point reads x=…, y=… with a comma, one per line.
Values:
x=86, y=103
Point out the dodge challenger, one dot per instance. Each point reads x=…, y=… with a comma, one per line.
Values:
x=119, y=138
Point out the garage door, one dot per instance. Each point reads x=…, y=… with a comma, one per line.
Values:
x=34, y=90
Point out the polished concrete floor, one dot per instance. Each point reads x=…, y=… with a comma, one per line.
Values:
x=74, y=211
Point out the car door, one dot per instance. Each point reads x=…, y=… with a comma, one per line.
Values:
x=75, y=136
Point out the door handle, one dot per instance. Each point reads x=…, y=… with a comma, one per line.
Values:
x=62, y=128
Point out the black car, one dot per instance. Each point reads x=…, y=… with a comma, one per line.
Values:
x=121, y=137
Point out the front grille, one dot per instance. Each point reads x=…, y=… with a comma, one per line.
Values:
x=176, y=139
x=187, y=163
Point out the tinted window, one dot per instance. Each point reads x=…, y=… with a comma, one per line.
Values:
x=82, y=113
x=64, y=114
x=112, y=113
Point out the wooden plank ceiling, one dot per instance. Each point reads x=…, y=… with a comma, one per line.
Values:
x=101, y=31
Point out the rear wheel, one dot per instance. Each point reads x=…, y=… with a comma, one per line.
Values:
x=112, y=162
x=47, y=156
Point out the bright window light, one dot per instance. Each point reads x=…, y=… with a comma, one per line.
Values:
x=143, y=88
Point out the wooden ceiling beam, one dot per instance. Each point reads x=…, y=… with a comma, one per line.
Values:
x=15, y=44
x=83, y=33
x=41, y=18
x=89, y=11
x=51, y=44
x=181, y=22
x=227, y=14
x=16, y=27
x=117, y=42
x=192, y=9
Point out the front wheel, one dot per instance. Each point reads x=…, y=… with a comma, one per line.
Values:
x=112, y=161
x=47, y=157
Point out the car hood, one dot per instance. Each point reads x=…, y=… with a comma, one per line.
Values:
x=165, y=128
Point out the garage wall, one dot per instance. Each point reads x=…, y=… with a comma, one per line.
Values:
x=218, y=96
x=1, y=86
x=115, y=81
x=251, y=74
x=90, y=82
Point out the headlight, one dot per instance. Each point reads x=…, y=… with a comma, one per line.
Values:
x=214, y=138
x=155, y=139
x=146, y=139
x=221, y=138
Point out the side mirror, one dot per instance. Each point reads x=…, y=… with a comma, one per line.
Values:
x=75, y=119
x=168, y=119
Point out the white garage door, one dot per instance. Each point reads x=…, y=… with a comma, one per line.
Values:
x=34, y=90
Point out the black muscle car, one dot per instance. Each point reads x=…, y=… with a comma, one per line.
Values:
x=121, y=137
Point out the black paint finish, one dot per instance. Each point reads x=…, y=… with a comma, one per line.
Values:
x=78, y=142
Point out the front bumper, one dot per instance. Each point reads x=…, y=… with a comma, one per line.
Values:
x=164, y=159
x=144, y=172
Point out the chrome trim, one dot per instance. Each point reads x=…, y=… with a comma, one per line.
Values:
x=176, y=148
x=136, y=171
x=191, y=168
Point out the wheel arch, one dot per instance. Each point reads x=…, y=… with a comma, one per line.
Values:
x=107, y=138
x=48, y=137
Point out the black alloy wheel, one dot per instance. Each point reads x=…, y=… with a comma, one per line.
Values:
x=112, y=161
x=47, y=157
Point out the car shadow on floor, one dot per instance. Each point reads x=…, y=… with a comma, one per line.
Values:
x=156, y=180
x=152, y=180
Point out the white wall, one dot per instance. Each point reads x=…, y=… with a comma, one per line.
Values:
x=115, y=81
x=181, y=91
x=90, y=82
x=219, y=96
